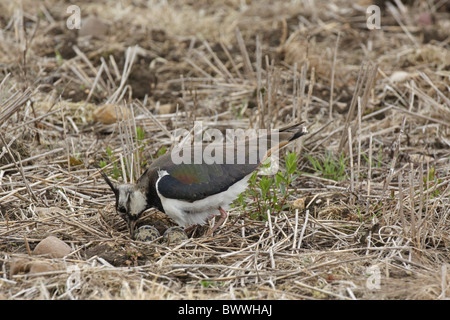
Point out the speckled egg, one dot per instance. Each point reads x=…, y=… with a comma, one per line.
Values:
x=147, y=233
x=174, y=235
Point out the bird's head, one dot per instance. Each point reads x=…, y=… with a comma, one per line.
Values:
x=130, y=202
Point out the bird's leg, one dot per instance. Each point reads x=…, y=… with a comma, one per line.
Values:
x=223, y=216
x=190, y=228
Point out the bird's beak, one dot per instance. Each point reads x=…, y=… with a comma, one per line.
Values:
x=132, y=227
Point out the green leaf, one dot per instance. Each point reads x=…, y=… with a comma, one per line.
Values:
x=162, y=151
x=140, y=135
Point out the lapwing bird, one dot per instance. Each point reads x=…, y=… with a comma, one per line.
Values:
x=193, y=192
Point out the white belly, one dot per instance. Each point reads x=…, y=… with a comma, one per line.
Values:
x=186, y=213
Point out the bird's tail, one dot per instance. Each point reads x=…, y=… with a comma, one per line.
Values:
x=287, y=134
x=292, y=132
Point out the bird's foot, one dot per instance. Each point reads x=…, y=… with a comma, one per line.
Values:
x=222, y=218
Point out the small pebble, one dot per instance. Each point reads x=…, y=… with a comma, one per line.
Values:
x=52, y=247
x=31, y=266
x=19, y=266
x=42, y=266
x=107, y=113
x=147, y=233
x=164, y=108
x=298, y=204
x=174, y=235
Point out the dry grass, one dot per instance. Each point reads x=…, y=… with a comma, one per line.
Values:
x=379, y=97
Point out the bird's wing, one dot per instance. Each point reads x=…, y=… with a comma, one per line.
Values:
x=192, y=182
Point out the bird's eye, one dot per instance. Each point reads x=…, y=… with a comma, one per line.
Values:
x=121, y=210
